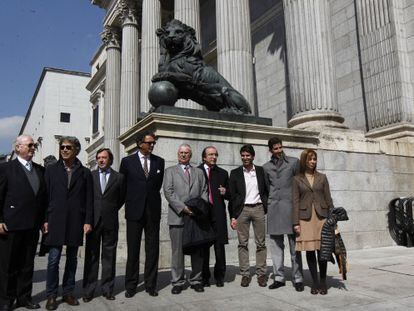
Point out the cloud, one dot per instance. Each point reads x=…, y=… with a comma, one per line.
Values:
x=9, y=129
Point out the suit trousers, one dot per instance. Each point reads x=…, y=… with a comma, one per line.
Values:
x=17, y=252
x=177, y=259
x=277, y=249
x=152, y=246
x=220, y=265
x=109, y=240
x=255, y=216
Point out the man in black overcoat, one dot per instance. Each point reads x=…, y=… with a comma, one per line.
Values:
x=69, y=216
x=217, y=181
x=23, y=202
x=109, y=196
x=143, y=173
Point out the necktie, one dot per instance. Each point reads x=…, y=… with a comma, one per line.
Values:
x=146, y=167
x=210, y=193
x=187, y=173
x=103, y=181
x=29, y=166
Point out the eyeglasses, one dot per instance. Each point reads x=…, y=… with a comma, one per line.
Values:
x=67, y=147
x=152, y=143
x=30, y=145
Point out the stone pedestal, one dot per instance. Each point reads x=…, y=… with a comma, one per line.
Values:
x=364, y=174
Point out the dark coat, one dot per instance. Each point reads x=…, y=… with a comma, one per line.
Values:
x=305, y=196
x=20, y=207
x=106, y=205
x=69, y=208
x=219, y=177
x=328, y=232
x=142, y=191
x=237, y=187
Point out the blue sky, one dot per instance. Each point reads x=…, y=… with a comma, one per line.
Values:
x=38, y=34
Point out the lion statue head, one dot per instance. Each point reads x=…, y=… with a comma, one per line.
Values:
x=178, y=40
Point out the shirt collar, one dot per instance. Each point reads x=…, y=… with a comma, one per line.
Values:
x=141, y=156
x=283, y=158
x=252, y=170
x=107, y=171
x=23, y=161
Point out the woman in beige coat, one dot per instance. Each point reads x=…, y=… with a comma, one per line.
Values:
x=311, y=203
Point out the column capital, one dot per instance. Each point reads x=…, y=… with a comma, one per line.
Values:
x=128, y=12
x=111, y=37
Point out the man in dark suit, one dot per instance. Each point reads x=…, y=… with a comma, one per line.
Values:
x=69, y=216
x=22, y=206
x=248, y=193
x=182, y=183
x=109, y=196
x=217, y=182
x=143, y=174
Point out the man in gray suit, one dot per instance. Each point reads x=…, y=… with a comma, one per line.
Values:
x=181, y=183
x=279, y=172
x=109, y=196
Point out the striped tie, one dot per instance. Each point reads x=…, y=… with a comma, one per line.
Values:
x=146, y=167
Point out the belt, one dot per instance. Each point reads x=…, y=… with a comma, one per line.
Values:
x=253, y=205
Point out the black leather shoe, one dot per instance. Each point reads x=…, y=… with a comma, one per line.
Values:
x=219, y=283
x=110, y=296
x=206, y=283
x=87, y=298
x=5, y=308
x=176, y=290
x=70, y=300
x=28, y=305
x=276, y=284
x=299, y=287
x=152, y=292
x=198, y=288
x=51, y=303
x=130, y=293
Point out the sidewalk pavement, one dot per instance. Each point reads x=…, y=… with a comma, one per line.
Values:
x=379, y=279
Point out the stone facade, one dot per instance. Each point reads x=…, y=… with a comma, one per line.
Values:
x=334, y=75
x=59, y=107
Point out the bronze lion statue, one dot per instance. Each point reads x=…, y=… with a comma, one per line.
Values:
x=182, y=73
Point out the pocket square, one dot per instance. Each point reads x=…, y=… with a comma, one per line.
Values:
x=158, y=171
x=11, y=206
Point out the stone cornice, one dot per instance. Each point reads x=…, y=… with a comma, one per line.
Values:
x=97, y=78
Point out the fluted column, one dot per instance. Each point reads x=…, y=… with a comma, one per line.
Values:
x=234, y=45
x=150, y=51
x=129, y=65
x=111, y=38
x=311, y=69
x=188, y=12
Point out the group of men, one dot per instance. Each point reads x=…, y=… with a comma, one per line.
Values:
x=67, y=201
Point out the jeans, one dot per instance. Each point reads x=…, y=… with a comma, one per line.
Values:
x=52, y=279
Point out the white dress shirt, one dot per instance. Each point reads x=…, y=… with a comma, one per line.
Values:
x=27, y=164
x=252, y=189
x=142, y=159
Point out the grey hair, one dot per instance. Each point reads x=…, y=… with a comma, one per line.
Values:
x=19, y=141
x=185, y=145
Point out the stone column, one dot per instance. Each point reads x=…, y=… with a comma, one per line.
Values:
x=234, y=45
x=129, y=65
x=188, y=12
x=311, y=69
x=150, y=50
x=111, y=38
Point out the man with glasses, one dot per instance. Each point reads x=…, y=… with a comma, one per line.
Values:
x=69, y=216
x=143, y=173
x=23, y=202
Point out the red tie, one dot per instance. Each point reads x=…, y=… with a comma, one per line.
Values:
x=210, y=193
x=187, y=173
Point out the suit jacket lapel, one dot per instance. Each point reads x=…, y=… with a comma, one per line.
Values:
x=111, y=180
x=96, y=181
x=75, y=175
x=153, y=166
x=305, y=181
x=180, y=172
x=242, y=182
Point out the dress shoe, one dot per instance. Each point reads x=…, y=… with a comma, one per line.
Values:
x=206, y=283
x=245, y=281
x=28, y=305
x=130, y=293
x=87, y=298
x=70, y=300
x=7, y=307
x=198, y=288
x=152, y=292
x=51, y=303
x=276, y=284
x=299, y=287
x=176, y=290
x=109, y=296
x=323, y=290
x=219, y=283
x=314, y=290
x=262, y=280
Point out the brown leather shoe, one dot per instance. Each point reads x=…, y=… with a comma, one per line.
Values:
x=70, y=300
x=245, y=281
x=262, y=280
x=51, y=303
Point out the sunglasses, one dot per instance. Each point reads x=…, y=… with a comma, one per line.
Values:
x=31, y=145
x=67, y=147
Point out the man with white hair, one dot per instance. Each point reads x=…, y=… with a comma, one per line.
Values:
x=22, y=207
